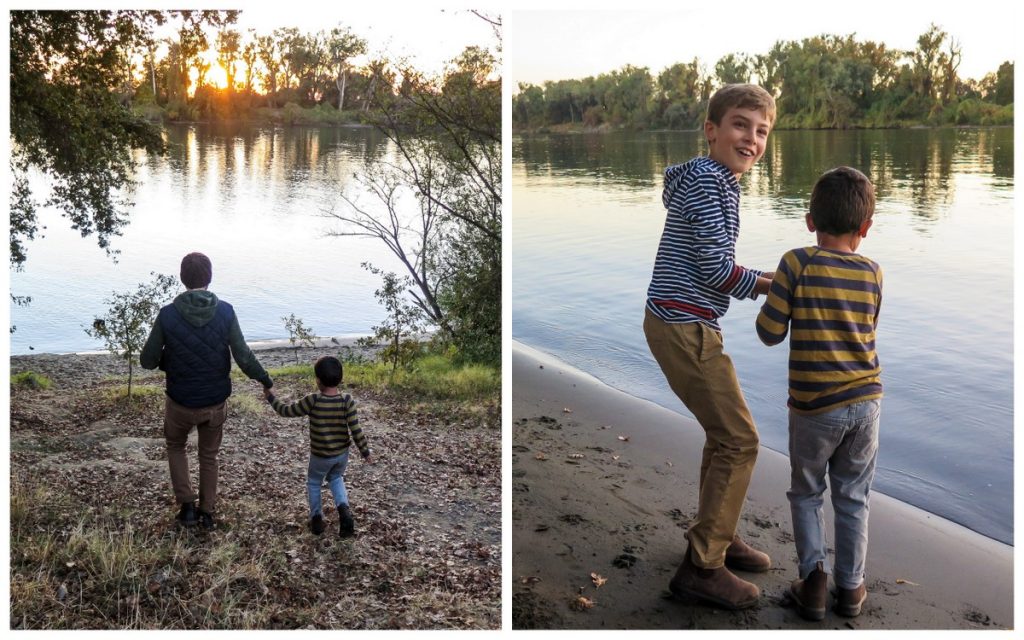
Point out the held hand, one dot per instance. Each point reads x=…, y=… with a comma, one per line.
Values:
x=267, y=392
x=762, y=285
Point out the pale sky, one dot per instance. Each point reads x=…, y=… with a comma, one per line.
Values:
x=430, y=36
x=562, y=44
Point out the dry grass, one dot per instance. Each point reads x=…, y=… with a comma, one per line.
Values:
x=94, y=543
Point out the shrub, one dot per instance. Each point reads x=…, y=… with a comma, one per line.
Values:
x=31, y=379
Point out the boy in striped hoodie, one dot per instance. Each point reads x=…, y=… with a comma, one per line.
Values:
x=333, y=426
x=828, y=298
x=695, y=275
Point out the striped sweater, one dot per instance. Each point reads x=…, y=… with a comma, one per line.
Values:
x=830, y=301
x=333, y=422
x=695, y=270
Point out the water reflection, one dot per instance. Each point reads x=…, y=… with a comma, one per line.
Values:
x=915, y=166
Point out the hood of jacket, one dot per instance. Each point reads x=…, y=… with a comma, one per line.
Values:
x=197, y=306
x=678, y=173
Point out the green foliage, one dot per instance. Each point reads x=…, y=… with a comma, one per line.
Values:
x=440, y=376
x=447, y=131
x=129, y=317
x=399, y=329
x=32, y=380
x=298, y=334
x=70, y=91
x=824, y=81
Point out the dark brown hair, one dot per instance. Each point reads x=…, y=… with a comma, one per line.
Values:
x=196, y=271
x=329, y=371
x=842, y=199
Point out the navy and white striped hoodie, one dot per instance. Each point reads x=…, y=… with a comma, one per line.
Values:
x=695, y=271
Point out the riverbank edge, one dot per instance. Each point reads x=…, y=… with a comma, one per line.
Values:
x=948, y=565
x=605, y=128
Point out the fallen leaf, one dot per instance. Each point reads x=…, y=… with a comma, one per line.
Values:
x=624, y=438
x=902, y=581
x=668, y=462
x=566, y=410
x=616, y=457
x=582, y=604
x=529, y=579
x=542, y=527
x=62, y=592
x=576, y=456
x=607, y=426
x=540, y=456
x=598, y=579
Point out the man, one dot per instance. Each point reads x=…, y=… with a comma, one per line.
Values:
x=192, y=341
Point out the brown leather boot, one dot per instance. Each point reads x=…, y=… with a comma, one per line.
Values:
x=849, y=601
x=743, y=557
x=811, y=594
x=719, y=585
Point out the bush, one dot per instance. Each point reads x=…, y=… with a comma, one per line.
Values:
x=32, y=380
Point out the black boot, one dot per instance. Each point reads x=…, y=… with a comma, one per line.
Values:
x=346, y=525
x=187, y=515
x=316, y=524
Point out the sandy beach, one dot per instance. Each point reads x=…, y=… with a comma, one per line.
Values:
x=604, y=484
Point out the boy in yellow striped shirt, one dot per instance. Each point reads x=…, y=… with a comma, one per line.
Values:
x=333, y=426
x=827, y=297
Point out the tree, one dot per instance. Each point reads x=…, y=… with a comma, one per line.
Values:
x=269, y=53
x=342, y=46
x=298, y=334
x=447, y=131
x=67, y=120
x=402, y=323
x=249, y=55
x=229, y=43
x=129, y=317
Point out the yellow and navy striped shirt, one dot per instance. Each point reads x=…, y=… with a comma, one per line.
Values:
x=333, y=422
x=829, y=301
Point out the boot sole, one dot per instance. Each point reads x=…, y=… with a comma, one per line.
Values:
x=849, y=611
x=807, y=613
x=682, y=592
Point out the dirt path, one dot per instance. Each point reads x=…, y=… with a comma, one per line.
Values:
x=428, y=514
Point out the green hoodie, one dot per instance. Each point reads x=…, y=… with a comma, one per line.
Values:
x=198, y=307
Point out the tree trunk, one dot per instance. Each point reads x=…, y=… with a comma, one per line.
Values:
x=341, y=88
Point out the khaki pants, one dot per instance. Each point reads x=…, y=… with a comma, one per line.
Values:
x=702, y=375
x=209, y=425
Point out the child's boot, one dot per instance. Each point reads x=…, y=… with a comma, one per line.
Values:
x=316, y=524
x=849, y=601
x=346, y=525
x=810, y=594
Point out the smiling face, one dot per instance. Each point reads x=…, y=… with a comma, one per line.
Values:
x=739, y=141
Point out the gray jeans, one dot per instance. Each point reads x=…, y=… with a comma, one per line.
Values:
x=843, y=443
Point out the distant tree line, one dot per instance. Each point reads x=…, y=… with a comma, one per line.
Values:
x=827, y=81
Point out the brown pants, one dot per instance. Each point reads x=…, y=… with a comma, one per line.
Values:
x=692, y=358
x=209, y=424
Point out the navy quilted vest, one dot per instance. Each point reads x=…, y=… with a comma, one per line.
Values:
x=197, y=360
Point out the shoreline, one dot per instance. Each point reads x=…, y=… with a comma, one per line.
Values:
x=586, y=500
x=346, y=340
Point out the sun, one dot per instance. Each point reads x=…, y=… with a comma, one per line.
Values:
x=215, y=75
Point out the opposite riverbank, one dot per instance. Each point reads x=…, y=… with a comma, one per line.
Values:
x=604, y=483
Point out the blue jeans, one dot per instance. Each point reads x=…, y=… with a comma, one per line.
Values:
x=844, y=443
x=334, y=470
